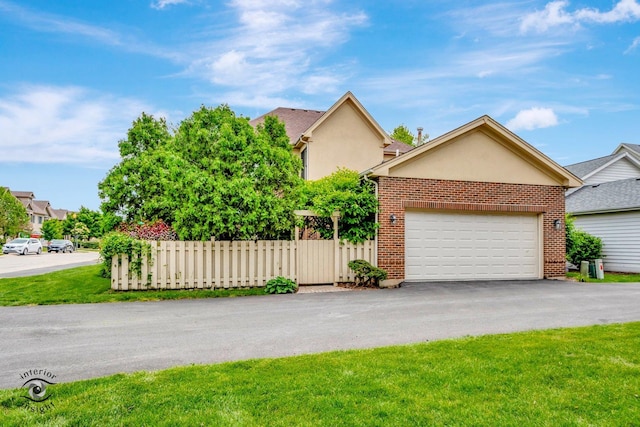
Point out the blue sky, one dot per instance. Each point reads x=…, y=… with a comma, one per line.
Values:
x=564, y=75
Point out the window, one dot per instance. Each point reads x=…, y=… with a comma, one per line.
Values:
x=303, y=156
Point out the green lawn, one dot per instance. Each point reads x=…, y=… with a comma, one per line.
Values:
x=84, y=285
x=608, y=277
x=567, y=377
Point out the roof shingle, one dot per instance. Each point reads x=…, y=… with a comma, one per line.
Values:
x=623, y=194
x=583, y=169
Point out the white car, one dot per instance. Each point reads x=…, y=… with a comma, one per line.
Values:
x=23, y=246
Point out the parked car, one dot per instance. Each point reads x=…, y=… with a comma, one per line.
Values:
x=59, y=245
x=23, y=246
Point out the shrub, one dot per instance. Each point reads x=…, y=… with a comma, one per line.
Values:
x=581, y=246
x=281, y=285
x=90, y=244
x=157, y=230
x=116, y=243
x=585, y=247
x=367, y=274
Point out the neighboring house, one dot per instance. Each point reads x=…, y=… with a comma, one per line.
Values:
x=475, y=203
x=608, y=205
x=38, y=210
x=344, y=136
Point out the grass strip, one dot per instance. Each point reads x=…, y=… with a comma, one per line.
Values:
x=608, y=277
x=82, y=285
x=570, y=377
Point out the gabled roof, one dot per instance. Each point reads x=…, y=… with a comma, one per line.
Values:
x=60, y=213
x=489, y=125
x=633, y=148
x=400, y=146
x=296, y=120
x=41, y=207
x=590, y=167
x=300, y=123
x=347, y=98
x=613, y=196
x=23, y=194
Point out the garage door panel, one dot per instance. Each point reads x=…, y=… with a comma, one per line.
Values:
x=446, y=246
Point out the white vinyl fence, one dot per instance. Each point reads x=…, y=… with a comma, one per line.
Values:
x=237, y=264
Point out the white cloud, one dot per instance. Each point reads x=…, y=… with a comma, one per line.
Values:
x=623, y=11
x=49, y=124
x=276, y=46
x=52, y=23
x=161, y=4
x=634, y=45
x=555, y=14
x=533, y=118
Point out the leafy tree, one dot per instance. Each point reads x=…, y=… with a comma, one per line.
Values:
x=236, y=182
x=13, y=215
x=136, y=188
x=80, y=230
x=403, y=134
x=92, y=219
x=52, y=229
x=346, y=192
x=109, y=222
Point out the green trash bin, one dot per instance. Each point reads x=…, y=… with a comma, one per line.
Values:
x=592, y=270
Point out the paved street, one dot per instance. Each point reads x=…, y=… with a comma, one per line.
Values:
x=92, y=340
x=13, y=265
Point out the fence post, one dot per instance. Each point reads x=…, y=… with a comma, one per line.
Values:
x=336, y=248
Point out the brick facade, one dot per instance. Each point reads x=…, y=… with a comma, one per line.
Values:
x=397, y=194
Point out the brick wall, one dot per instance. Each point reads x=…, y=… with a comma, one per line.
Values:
x=397, y=194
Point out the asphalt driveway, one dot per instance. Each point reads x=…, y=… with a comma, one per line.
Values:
x=92, y=340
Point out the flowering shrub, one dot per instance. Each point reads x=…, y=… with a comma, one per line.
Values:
x=157, y=230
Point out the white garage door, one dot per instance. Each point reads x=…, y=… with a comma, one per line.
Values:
x=469, y=246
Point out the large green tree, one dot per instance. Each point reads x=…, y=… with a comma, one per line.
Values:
x=137, y=187
x=13, y=215
x=236, y=182
x=216, y=177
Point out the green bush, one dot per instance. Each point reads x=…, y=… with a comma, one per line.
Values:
x=116, y=243
x=581, y=246
x=367, y=274
x=89, y=244
x=281, y=285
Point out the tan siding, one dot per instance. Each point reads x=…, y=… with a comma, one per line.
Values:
x=345, y=139
x=475, y=156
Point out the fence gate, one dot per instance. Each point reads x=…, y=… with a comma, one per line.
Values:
x=317, y=259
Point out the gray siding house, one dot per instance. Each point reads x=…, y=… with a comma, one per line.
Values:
x=608, y=205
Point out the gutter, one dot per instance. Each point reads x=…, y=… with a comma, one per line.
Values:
x=608, y=210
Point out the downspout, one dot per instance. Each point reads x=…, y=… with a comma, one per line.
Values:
x=365, y=175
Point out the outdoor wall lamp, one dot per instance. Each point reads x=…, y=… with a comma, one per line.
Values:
x=557, y=224
x=393, y=219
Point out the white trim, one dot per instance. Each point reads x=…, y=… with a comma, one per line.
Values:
x=612, y=161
